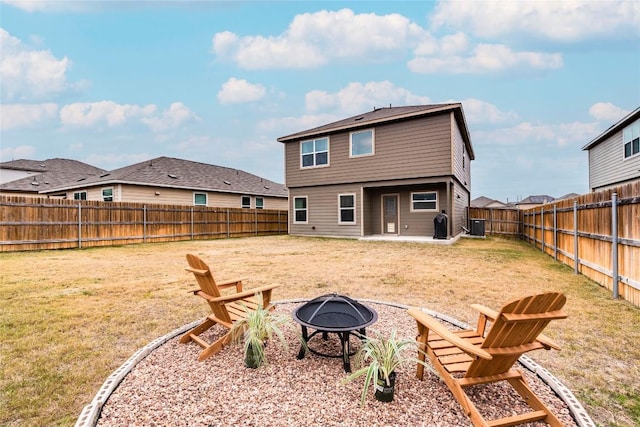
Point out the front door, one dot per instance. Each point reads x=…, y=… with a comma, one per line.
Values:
x=390, y=214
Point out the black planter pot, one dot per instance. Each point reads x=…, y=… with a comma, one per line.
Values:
x=251, y=359
x=384, y=392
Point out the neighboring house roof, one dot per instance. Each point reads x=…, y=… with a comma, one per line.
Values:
x=483, y=202
x=47, y=174
x=538, y=200
x=183, y=174
x=568, y=196
x=385, y=115
x=632, y=116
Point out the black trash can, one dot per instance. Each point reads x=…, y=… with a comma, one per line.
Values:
x=440, y=226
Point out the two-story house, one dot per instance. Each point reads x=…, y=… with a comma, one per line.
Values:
x=389, y=171
x=614, y=155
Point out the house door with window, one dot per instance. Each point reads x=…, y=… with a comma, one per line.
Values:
x=390, y=214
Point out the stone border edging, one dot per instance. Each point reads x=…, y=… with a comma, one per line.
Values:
x=91, y=412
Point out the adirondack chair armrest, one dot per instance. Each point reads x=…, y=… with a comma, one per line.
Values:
x=237, y=283
x=485, y=311
x=243, y=294
x=548, y=342
x=196, y=271
x=432, y=324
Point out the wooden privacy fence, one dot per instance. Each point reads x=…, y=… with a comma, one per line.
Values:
x=598, y=234
x=33, y=224
x=499, y=221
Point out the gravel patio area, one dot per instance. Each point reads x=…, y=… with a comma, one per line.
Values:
x=170, y=387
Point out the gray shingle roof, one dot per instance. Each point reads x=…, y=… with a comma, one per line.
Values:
x=382, y=115
x=47, y=174
x=631, y=117
x=536, y=200
x=184, y=174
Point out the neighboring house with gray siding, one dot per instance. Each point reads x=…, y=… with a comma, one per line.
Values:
x=389, y=171
x=31, y=177
x=614, y=155
x=167, y=180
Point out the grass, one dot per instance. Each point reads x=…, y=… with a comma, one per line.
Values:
x=69, y=318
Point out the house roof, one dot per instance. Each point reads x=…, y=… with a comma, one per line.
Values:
x=538, y=200
x=385, y=115
x=482, y=201
x=47, y=174
x=631, y=117
x=183, y=174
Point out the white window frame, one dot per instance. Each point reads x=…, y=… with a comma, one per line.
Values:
x=104, y=198
x=412, y=201
x=79, y=194
x=373, y=143
x=305, y=209
x=259, y=202
x=206, y=199
x=244, y=205
x=315, y=153
x=340, y=209
x=630, y=134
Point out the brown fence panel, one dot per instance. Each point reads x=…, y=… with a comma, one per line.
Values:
x=499, y=221
x=580, y=232
x=34, y=223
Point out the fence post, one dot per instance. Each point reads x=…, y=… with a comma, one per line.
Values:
x=79, y=225
x=144, y=223
x=614, y=243
x=256, y=221
x=228, y=231
x=555, y=233
x=192, y=223
x=542, y=227
x=575, y=238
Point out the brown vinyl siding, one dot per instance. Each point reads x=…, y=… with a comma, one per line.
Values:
x=409, y=149
x=322, y=211
x=459, y=216
x=461, y=160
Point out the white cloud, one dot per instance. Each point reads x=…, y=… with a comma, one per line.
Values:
x=235, y=91
x=177, y=115
x=313, y=39
x=28, y=74
x=486, y=58
x=565, y=21
x=607, y=112
x=550, y=134
x=478, y=111
x=357, y=98
x=26, y=115
x=16, y=153
x=87, y=114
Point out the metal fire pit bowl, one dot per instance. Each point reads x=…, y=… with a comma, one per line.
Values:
x=333, y=313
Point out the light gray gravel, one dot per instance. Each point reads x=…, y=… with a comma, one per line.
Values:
x=170, y=387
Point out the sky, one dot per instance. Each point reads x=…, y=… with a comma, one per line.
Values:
x=113, y=83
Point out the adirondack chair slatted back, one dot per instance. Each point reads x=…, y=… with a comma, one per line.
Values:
x=515, y=331
x=208, y=286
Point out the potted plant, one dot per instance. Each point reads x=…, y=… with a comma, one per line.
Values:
x=256, y=328
x=379, y=357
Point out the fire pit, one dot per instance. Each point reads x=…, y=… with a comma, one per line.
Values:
x=333, y=313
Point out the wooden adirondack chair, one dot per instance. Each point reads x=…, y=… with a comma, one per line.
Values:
x=466, y=358
x=225, y=309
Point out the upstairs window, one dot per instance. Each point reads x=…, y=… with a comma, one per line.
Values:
x=259, y=203
x=107, y=194
x=631, y=139
x=246, y=202
x=314, y=152
x=362, y=143
x=347, y=209
x=200, y=199
x=424, y=202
